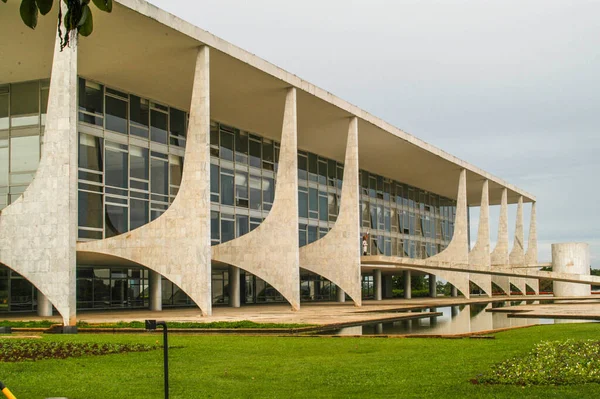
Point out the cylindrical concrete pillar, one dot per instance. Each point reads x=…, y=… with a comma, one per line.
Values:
x=377, y=284
x=571, y=258
x=432, y=286
x=341, y=295
x=234, y=287
x=155, y=291
x=407, y=284
x=454, y=292
x=44, y=307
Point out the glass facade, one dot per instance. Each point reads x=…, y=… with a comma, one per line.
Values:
x=130, y=164
x=22, y=118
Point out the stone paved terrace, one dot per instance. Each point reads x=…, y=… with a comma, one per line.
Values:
x=328, y=313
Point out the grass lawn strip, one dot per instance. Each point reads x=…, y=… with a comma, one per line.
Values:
x=217, y=366
x=243, y=324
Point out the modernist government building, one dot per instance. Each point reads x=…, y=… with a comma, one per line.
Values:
x=155, y=165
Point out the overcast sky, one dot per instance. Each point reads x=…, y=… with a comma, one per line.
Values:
x=510, y=86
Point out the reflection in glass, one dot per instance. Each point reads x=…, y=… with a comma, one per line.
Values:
x=140, y=162
x=90, y=210
x=116, y=115
x=24, y=104
x=139, y=213
x=158, y=130
x=116, y=168
x=159, y=183
x=90, y=152
x=116, y=220
x=24, y=154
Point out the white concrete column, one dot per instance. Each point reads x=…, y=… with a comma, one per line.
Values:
x=499, y=257
x=432, y=286
x=271, y=251
x=44, y=306
x=234, y=287
x=377, y=284
x=38, y=232
x=479, y=257
x=454, y=292
x=571, y=258
x=177, y=244
x=407, y=284
x=531, y=256
x=341, y=295
x=155, y=291
x=517, y=255
x=336, y=256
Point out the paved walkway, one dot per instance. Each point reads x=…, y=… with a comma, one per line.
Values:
x=327, y=313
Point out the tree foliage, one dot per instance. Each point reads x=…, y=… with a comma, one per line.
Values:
x=77, y=20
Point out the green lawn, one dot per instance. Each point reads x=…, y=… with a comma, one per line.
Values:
x=270, y=367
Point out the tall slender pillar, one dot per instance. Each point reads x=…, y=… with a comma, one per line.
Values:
x=377, y=284
x=454, y=292
x=38, y=231
x=499, y=257
x=517, y=255
x=479, y=257
x=432, y=286
x=531, y=256
x=234, y=287
x=341, y=295
x=44, y=306
x=407, y=284
x=155, y=291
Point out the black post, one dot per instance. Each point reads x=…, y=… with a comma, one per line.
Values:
x=166, y=357
x=151, y=325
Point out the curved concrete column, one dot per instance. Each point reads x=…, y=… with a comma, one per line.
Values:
x=337, y=255
x=571, y=258
x=531, y=256
x=517, y=255
x=499, y=257
x=457, y=252
x=38, y=232
x=479, y=257
x=177, y=244
x=271, y=250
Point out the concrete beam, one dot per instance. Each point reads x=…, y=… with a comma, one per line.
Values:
x=38, y=232
x=271, y=250
x=479, y=257
x=177, y=244
x=499, y=257
x=337, y=255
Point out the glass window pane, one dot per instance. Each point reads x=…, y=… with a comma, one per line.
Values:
x=241, y=185
x=90, y=152
x=323, y=215
x=24, y=104
x=90, y=210
x=241, y=222
x=139, y=113
x=140, y=162
x=139, y=213
x=267, y=151
x=176, y=166
x=227, y=230
x=3, y=167
x=177, y=122
x=302, y=167
x=226, y=189
x=241, y=147
x=116, y=115
x=313, y=199
x=158, y=131
x=3, y=111
x=214, y=179
x=255, y=154
x=24, y=153
x=302, y=204
x=90, y=97
x=116, y=168
x=268, y=190
x=214, y=226
x=116, y=220
x=255, y=192
x=227, y=146
x=159, y=182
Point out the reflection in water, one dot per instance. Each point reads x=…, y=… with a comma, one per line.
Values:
x=458, y=319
